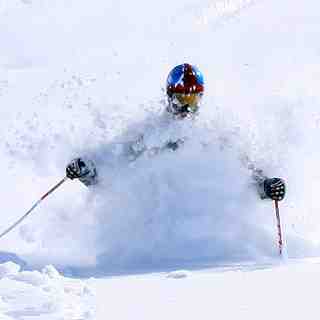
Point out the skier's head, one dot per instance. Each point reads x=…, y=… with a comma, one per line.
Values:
x=185, y=88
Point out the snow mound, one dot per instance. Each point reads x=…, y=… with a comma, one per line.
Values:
x=8, y=268
x=46, y=294
x=51, y=272
x=34, y=278
x=179, y=274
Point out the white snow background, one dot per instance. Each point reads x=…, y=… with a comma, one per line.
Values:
x=77, y=77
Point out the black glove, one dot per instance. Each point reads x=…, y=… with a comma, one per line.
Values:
x=76, y=169
x=275, y=188
x=174, y=145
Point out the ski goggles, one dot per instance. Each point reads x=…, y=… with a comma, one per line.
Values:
x=186, y=103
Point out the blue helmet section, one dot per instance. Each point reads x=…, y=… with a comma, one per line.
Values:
x=177, y=74
x=185, y=78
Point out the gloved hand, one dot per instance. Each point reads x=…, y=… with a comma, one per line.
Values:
x=275, y=188
x=76, y=169
x=174, y=145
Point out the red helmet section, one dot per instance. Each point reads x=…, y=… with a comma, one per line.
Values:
x=187, y=84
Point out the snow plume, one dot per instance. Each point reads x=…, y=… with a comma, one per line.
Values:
x=196, y=205
x=83, y=96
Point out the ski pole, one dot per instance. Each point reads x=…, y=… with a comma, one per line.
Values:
x=280, y=242
x=33, y=207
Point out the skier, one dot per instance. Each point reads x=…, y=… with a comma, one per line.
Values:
x=185, y=88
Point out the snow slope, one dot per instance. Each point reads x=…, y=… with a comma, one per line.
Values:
x=78, y=77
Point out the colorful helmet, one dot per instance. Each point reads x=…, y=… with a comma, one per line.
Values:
x=185, y=88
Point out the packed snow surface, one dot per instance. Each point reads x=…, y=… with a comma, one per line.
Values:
x=238, y=292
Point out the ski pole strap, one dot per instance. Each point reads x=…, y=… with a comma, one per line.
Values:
x=280, y=242
x=33, y=207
